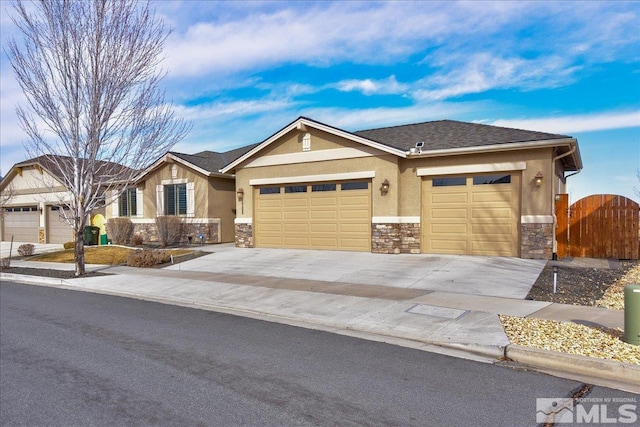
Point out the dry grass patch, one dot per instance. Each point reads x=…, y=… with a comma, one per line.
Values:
x=107, y=255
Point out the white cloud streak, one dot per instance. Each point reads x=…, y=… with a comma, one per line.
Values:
x=575, y=123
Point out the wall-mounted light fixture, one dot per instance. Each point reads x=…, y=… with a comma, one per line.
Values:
x=40, y=210
x=384, y=188
x=240, y=194
x=538, y=178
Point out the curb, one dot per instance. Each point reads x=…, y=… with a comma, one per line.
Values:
x=477, y=352
x=609, y=373
x=32, y=280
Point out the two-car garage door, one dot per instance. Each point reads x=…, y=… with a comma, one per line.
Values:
x=471, y=215
x=323, y=215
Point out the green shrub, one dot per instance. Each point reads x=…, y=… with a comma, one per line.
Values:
x=120, y=230
x=69, y=245
x=148, y=258
x=26, y=249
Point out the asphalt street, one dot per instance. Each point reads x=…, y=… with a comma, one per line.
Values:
x=73, y=358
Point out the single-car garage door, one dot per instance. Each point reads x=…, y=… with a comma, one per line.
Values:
x=471, y=215
x=22, y=223
x=58, y=230
x=326, y=215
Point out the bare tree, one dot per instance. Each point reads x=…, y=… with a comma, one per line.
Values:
x=90, y=73
x=6, y=194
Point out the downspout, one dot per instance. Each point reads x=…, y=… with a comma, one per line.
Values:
x=553, y=198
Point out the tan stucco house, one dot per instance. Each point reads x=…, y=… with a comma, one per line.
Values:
x=444, y=187
x=188, y=186
x=33, y=197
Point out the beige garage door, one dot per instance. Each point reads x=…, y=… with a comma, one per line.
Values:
x=22, y=223
x=471, y=215
x=58, y=230
x=328, y=215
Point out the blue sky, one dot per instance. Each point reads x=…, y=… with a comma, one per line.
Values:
x=242, y=70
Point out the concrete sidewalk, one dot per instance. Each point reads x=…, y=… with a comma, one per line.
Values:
x=422, y=314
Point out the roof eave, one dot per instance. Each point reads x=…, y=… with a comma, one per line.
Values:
x=502, y=147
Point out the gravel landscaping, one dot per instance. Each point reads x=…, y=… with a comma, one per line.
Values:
x=600, y=287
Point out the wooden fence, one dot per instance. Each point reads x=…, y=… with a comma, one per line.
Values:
x=598, y=226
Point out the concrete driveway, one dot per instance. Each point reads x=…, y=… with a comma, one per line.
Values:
x=474, y=275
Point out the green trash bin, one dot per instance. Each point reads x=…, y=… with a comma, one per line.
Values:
x=91, y=235
x=103, y=239
x=632, y=314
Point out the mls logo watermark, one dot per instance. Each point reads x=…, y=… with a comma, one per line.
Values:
x=560, y=410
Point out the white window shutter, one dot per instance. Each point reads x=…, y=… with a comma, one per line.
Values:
x=191, y=200
x=139, y=202
x=159, y=200
x=115, y=204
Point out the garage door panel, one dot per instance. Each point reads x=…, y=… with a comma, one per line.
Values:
x=448, y=198
x=493, y=229
x=295, y=241
x=358, y=228
x=271, y=227
x=449, y=245
x=327, y=202
x=295, y=202
x=448, y=213
x=322, y=215
x=350, y=200
x=491, y=213
x=270, y=215
x=486, y=197
x=355, y=244
x=270, y=202
x=295, y=227
x=337, y=219
x=449, y=228
x=323, y=228
x=295, y=215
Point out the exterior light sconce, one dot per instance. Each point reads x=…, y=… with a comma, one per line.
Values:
x=240, y=193
x=538, y=178
x=40, y=210
x=384, y=189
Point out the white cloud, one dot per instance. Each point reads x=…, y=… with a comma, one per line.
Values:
x=373, y=87
x=576, y=123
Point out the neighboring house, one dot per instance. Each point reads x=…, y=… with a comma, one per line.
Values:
x=33, y=197
x=189, y=186
x=444, y=187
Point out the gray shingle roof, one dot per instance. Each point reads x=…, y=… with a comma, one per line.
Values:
x=451, y=134
x=212, y=161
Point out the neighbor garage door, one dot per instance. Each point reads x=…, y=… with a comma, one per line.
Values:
x=58, y=230
x=328, y=215
x=22, y=223
x=472, y=215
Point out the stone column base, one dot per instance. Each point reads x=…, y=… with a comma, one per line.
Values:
x=393, y=238
x=537, y=241
x=244, y=235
